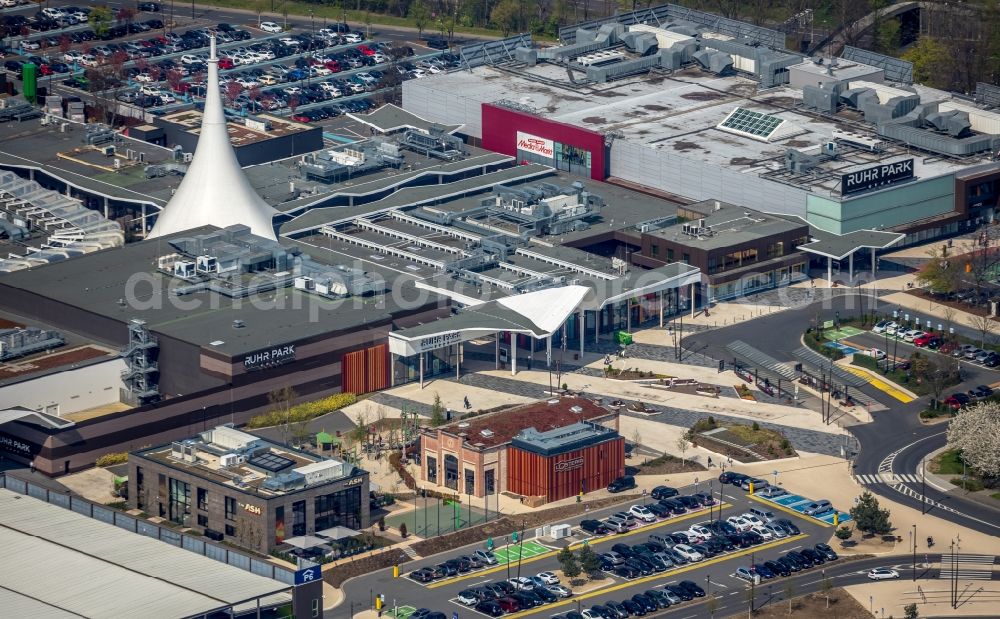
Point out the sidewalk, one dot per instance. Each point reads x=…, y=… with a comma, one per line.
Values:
x=932, y=597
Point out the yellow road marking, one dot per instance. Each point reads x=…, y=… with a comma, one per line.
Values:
x=652, y=577
x=789, y=510
x=881, y=385
x=611, y=538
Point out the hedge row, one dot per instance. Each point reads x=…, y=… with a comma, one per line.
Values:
x=111, y=459
x=303, y=412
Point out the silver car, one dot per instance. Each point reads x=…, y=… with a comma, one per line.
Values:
x=975, y=352
x=777, y=531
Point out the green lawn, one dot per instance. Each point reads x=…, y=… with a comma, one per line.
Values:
x=948, y=463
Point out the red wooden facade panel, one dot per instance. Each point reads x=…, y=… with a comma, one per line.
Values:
x=564, y=475
x=366, y=370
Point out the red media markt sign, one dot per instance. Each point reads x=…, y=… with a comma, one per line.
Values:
x=535, y=144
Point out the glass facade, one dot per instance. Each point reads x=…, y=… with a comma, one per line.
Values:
x=298, y=518
x=179, y=504
x=432, y=469
x=230, y=508
x=279, y=524
x=407, y=369
x=451, y=471
x=342, y=508
x=470, y=481
x=202, y=499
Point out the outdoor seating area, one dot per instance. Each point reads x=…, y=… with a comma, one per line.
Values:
x=329, y=544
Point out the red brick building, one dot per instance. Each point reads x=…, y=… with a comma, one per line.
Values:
x=550, y=449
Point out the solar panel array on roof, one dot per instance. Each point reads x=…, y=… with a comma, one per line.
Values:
x=271, y=462
x=751, y=123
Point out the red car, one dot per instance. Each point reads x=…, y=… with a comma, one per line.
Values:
x=367, y=51
x=45, y=69
x=334, y=66
x=302, y=118
x=509, y=605
x=927, y=339
x=226, y=63
x=957, y=401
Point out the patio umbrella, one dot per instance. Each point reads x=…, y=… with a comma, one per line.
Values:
x=338, y=533
x=305, y=541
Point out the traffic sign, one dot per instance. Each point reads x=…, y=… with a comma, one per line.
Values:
x=308, y=575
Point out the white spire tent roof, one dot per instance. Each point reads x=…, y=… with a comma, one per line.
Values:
x=215, y=191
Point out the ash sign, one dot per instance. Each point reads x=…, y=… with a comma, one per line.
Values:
x=876, y=176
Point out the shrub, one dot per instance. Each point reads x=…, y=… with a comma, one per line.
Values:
x=303, y=412
x=785, y=444
x=111, y=459
x=755, y=427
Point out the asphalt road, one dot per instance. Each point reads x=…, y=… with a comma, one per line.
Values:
x=894, y=444
x=441, y=595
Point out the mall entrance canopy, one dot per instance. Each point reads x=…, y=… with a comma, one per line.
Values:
x=840, y=246
x=540, y=314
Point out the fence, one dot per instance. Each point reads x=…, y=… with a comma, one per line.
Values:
x=192, y=543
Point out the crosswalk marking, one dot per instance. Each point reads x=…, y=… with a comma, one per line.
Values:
x=967, y=574
x=887, y=478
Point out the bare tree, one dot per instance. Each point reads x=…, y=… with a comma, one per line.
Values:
x=682, y=446
x=281, y=399
x=984, y=325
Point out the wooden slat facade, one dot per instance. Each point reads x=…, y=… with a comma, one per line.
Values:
x=564, y=475
x=366, y=370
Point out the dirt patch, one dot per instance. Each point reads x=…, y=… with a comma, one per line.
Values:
x=595, y=120
x=796, y=143
x=636, y=113
x=703, y=95
x=978, y=310
x=9, y=324
x=652, y=107
x=742, y=90
x=841, y=606
x=668, y=465
x=741, y=161
x=685, y=145
x=46, y=362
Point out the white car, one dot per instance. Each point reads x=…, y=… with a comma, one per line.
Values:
x=764, y=532
x=877, y=353
x=688, y=552
x=882, y=325
x=641, y=513
x=418, y=73
x=270, y=26
x=352, y=37
x=882, y=573
x=53, y=13
x=522, y=583
x=246, y=82
x=753, y=520
x=268, y=80
x=145, y=78
x=189, y=59
x=548, y=578
x=379, y=57
x=702, y=532
x=30, y=46
x=740, y=523
x=73, y=56
x=468, y=598
x=79, y=16
x=912, y=334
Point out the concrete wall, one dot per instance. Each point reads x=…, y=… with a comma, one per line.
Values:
x=425, y=98
x=698, y=180
x=71, y=391
x=889, y=207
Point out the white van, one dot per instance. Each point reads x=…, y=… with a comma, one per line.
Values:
x=763, y=513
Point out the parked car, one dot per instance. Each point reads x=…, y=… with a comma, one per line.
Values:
x=748, y=574
x=981, y=392
x=764, y=571
x=270, y=26
x=826, y=551
x=740, y=523
x=883, y=573
x=641, y=513
x=973, y=353
x=688, y=552
x=559, y=591
x=491, y=608
x=957, y=400
x=594, y=527
x=882, y=325
x=912, y=334
x=818, y=507
x=487, y=557
x=777, y=568
x=928, y=340
x=878, y=354
x=548, y=578
x=663, y=492
x=621, y=484
x=788, y=526
x=730, y=477
x=771, y=491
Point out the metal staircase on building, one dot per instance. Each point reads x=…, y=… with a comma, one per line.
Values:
x=140, y=375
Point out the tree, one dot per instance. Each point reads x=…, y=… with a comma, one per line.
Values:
x=941, y=274
x=976, y=431
x=984, y=326
x=910, y=611
x=506, y=16
x=930, y=59
x=437, y=412
x=844, y=533
x=869, y=516
x=281, y=399
x=789, y=591
x=259, y=7
x=589, y=562
x=826, y=586
x=420, y=15
x=100, y=20
x=712, y=605
x=570, y=566
x=360, y=429
x=937, y=371
x=682, y=446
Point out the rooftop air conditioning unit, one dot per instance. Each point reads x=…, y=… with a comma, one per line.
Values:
x=576, y=409
x=486, y=433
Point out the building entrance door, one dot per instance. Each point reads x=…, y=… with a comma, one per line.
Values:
x=451, y=471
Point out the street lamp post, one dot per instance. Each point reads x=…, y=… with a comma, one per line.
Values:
x=914, y=534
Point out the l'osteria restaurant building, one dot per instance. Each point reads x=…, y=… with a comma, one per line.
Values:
x=544, y=451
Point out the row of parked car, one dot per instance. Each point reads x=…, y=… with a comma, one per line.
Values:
x=640, y=604
x=791, y=562
x=452, y=567
x=515, y=594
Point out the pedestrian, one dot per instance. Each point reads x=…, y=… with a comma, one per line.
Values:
x=467, y=404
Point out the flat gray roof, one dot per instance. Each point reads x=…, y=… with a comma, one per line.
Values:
x=730, y=225
x=96, y=282
x=76, y=566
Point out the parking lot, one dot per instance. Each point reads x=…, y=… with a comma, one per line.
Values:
x=146, y=66
x=727, y=568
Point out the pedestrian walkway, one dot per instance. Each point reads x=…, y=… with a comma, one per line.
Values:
x=881, y=385
x=967, y=566
x=867, y=480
